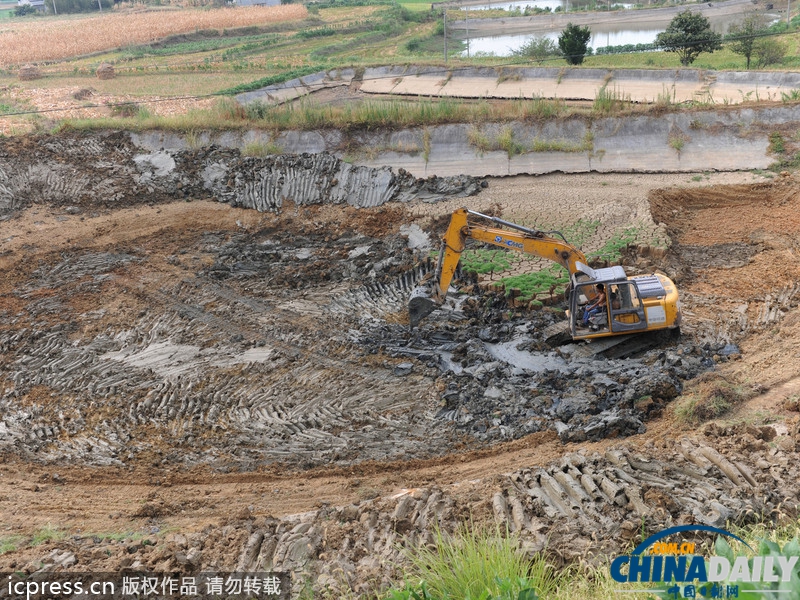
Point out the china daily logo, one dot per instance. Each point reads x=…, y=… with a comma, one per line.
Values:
x=680, y=573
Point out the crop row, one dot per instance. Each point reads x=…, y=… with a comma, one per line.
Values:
x=52, y=39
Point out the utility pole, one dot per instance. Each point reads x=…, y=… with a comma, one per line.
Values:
x=467, y=30
x=445, y=34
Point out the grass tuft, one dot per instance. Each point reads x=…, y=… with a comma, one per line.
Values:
x=48, y=533
x=260, y=149
x=10, y=543
x=609, y=102
x=477, y=563
x=709, y=396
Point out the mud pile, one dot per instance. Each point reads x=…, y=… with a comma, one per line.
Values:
x=587, y=506
x=501, y=379
x=243, y=362
x=109, y=170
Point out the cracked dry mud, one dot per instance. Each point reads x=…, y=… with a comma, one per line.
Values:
x=241, y=391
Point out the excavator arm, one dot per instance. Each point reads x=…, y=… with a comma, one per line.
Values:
x=423, y=301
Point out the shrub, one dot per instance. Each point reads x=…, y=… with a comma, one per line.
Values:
x=538, y=48
x=23, y=10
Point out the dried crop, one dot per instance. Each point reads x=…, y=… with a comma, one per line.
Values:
x=52, y=39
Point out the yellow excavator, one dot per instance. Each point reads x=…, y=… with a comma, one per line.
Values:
x=636, y=304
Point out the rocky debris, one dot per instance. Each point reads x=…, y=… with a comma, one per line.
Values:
x=585, y=506
x=227, y=350
x=109, y=170
x=502, y=381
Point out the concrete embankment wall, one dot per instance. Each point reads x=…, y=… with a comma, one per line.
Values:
x=723, y=140
x=567, y=83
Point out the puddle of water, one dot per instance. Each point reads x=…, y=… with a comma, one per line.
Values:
x=534, y=362
x=508, y=353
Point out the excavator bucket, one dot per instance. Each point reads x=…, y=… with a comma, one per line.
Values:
x=420, y=305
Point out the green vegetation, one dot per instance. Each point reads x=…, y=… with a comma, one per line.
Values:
x=475, y=563
x=371, y=114
x=23, y=10
x=274, y=79
x=573, y=43
x=677, y=142
x=743, y=37
x=538, y=49
x=611, y=250
x=552, y=279
x=777, y=145
x=488, y=565
x=540, y=277
x=709, y=396
x=766, y=547
x=609, y=101
x=513, y=146
x=206, y=42
x=48, y=533
x=484, y=261
x=77, y=6
x=769, y=51
x=356, y=34
x=260, y=149
x=10, y=543
x=688, y=35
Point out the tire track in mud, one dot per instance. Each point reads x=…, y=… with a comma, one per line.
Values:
x=257, y=379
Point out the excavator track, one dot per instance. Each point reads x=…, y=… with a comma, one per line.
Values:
x=623, y=346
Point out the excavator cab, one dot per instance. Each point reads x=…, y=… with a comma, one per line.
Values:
x=632, y=304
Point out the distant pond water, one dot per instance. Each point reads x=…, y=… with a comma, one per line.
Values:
x=505, y=45
x=604, y=33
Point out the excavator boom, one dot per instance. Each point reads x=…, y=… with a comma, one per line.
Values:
x=515, y=237
x=624, y=304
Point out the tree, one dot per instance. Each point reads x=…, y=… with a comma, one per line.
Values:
x=742, y=36
x=573, y=42
x=689, y=34
x=768, y=51
x=538, y=49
